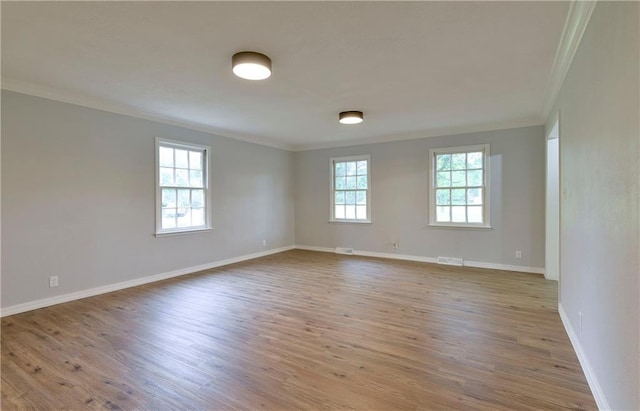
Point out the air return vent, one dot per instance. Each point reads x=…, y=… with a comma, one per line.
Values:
x=340, y=250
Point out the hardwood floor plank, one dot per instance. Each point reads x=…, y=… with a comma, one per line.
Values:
x=301, y=330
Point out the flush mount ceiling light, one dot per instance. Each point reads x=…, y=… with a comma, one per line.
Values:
x=351, y=117
x=251, y=65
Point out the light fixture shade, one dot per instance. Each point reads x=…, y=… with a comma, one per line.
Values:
x=251, y=65
x=351, y=117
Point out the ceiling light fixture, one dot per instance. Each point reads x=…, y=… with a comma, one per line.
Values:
x=251, y=65
x=351, y=117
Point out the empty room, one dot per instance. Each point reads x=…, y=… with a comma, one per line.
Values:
x=320, y=205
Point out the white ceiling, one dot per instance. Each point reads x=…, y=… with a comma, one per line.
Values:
x=415, y=68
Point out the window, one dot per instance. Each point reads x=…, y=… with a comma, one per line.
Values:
x=182, y=204
x=350, y=194
x=459, y=187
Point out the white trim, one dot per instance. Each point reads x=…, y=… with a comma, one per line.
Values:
x=206, y=161
x=417, y=135
x=504, y=267
x=460, y=227
x=351, y=221
x=183, y=232
x=332, y=190
x=97, y=103
x=592, y=380
x=403, y=257
x=314, y=248
x=554, y=121
x=46, y=302
x=434, y=260
x=486, y=190
x=51, y=93
x=574, y=27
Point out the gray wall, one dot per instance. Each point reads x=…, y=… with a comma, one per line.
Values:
x=399, y=206
x=78, y=199
x=599, y=229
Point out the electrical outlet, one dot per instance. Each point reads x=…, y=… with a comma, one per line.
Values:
x=264, y=243
x=518, y=254
x=53, y=281
x=396, y=244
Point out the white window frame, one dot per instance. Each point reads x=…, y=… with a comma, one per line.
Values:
x=163, y=142
x=332, y=162
x=486, y=207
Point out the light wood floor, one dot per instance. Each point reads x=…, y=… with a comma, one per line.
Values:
x=301, y=330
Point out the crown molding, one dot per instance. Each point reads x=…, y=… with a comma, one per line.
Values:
x=574, y=27
x=51, y=93
x=440, y=132
x=117, y=108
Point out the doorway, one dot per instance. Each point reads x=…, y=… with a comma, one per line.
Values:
x=552, y=215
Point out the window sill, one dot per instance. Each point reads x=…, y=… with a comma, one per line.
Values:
x=351, y=221
x=183, y=232
x=461, y=227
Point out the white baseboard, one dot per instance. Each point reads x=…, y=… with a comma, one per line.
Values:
x=407, y=257
x=592, y=380
x=393, y=256
x=313, y=248
x=46, y=302
x=505, y=267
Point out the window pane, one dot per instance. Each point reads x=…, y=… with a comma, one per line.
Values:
x=184, y=217
x=166, y=176
x=458, y=197
x=166, y=156
x=443, y=197
x=185, y=206
x=350, y=212
x=351, y=168
x=457, y=190
x=168, y=198
x=195, y=160
x=362, y=182
x=474, y=160
x=444, y=179
x=474, y=196
x=442, y=214
x=362, y=168
x=458, y=214
x=197, y=216
x=182, y=177
x=474, y=178
x=169, y=218
x=458, y=178
x=458, y=161
x=350, y=197
x=443, y=162
x=195, y=178
x=197, y=198
x=350, y=185
x=474, y=214
x=182, y=158
x=183, y=198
